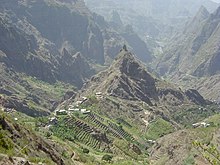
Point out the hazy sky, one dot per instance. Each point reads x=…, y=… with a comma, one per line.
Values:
x=216, y=1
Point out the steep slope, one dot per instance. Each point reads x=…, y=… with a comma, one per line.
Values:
x=116, y=34
x=37, y=45
x=195, y=51
x=116, y=106
x=28, y=45
x=126, y=101
x=183, y=45
x=128, y=79
x=128, y=90
x=189, y=146
x=21, y=145
x=35, y=71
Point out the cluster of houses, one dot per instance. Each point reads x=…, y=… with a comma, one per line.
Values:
x=70, y=110
x=83, y=110
x=76, y=106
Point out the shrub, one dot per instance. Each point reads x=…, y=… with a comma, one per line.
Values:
x=85, y=150
x=107, y=158
x=5, y=143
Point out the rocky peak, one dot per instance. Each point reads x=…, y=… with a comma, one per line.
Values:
x=127, y=78
x=195, y=23
x=115, y=17
x=128, y=65
x=203, y=12
x=217, y=13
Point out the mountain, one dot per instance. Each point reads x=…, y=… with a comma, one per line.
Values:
x=38, y=45
x=126, y=101
x=49, y=34
x=28, y=60
x=149, y=17
x=104, y=120
x=30, y=41
x=186, y=146
x=128, y=79
x=128, y=87
x=195, y=50
x=116, y=34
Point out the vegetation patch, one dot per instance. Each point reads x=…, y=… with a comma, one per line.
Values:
x=158, y=129
x=193, y=115
x=6, y=144
x=189, y=160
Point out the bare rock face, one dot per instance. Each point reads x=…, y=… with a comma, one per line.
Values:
x=30, y=43
x=195, y=97
x=196, y=49
x=128, y=79
x=133, y=82
x=74, y=69
x=21, y=106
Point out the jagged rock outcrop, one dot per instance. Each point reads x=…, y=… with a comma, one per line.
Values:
x=139, y=46
x=31, y=45
x=194, y=96
x=128, y=79
x=116, y=34
x=21, y=106
x=74, y=68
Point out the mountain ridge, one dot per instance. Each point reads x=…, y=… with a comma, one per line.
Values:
x=128, y=79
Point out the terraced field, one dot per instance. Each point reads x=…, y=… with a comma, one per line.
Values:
x=92, y=130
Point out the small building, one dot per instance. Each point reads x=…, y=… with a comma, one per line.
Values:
x=84, y=99
x=98, y=93
x=195, y=125
x=204, y=124
x=71, y=106
x=8, y=110
x=151, y=141
x=74, y=109
x=78, y=103
x=84, y=111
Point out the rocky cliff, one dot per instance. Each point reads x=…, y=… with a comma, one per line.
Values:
x=128, y=79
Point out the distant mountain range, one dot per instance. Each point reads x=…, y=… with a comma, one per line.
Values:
x=138, y=85
x=151, y=17
x=195, y=51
